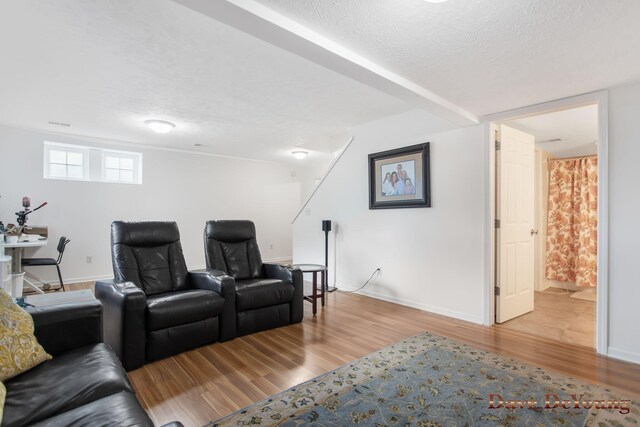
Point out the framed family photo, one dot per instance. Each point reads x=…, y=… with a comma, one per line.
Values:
x=400, y=178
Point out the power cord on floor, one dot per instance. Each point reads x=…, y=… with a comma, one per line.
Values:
x=376, y=273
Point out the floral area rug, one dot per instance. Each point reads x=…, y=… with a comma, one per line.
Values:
x=429, y=380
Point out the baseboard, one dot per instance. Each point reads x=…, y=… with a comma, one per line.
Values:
x=73, y=280
x=279, y=259
x=624, y=355
x=419, y=306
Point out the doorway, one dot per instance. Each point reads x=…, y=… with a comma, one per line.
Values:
x=535, y=286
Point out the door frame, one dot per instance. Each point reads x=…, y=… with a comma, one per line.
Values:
x=601, y=99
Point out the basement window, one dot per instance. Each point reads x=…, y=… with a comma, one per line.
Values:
x=121, y=166
x=66, y=162
x=81, y=163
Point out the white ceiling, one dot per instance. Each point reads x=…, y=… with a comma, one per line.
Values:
x=577, y=128
x=486, y=56
x=106, y=66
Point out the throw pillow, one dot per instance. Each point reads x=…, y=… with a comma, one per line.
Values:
x=19, y=348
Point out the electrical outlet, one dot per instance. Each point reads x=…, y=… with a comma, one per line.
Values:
x=89, y=259
x=271, y=246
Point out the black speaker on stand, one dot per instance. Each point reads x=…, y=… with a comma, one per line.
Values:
x=326, y=227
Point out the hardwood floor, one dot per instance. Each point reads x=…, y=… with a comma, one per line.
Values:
x=558, y=316
x=207, y=383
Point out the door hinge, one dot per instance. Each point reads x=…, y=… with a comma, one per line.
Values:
x=496, y=290
x=496, y=223
x=497, y=145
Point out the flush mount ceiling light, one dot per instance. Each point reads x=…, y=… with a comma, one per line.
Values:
x=160, y=126
x=300, y=154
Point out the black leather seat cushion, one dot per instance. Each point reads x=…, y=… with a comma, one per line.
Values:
x=181, y=308
x=121, y=409
x=66, y=382
x=38, y=261
x=258, y=293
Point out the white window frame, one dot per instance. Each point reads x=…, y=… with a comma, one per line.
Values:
x=67, y=148
x=93, y=162
x=136, y=158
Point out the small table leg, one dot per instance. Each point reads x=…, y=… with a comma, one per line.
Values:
x=314, y=301
x=16, y=260
x=322, y=287
x=16, y=267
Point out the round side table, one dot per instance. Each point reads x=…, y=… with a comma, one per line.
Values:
x=315, y=269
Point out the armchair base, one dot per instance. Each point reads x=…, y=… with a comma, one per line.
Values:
x=178, y=339
x=261, y=319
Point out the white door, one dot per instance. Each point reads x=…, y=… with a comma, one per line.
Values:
x=515, y=235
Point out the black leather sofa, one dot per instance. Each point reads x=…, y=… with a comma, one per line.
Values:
x=266, y=295
x=83, y=385
x=155, y=308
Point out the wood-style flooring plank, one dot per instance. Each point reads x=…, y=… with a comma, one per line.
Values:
x=559, y=317
x=210, y=382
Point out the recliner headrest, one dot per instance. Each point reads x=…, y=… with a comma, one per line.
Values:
x=230, y=230
x=147, y=233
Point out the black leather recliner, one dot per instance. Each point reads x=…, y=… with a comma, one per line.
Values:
x=266, y=295
x=155, y=308
x=83, y=385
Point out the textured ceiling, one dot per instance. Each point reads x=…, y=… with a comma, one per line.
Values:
x=486, y=56
x=106, y=66
x=577, y=128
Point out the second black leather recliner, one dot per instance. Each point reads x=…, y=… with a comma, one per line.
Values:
x=154, y=307
x=266, y=295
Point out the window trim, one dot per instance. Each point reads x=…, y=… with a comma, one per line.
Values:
x=93, y=162
x=136, y=157
x=67, y=148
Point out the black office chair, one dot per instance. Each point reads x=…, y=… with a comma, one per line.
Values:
x=37, y=262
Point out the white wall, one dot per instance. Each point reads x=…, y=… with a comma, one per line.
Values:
x=182, y=187
x=310, y=170
x=624, y=233
x=431, y=258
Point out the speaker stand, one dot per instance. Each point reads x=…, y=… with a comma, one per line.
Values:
x=327, y=288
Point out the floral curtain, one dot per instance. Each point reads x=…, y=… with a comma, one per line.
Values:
x=573, y=221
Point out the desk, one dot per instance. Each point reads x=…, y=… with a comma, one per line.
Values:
x=17, y=250
x=315, y=269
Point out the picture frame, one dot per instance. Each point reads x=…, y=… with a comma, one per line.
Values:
x=400, y=178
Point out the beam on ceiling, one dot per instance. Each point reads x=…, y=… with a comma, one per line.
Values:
x=259, y=21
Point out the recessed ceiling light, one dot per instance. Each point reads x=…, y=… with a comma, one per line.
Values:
x=160, y=126
x=300, y=154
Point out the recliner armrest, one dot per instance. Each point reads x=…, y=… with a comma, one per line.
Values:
x=293, y=276
x=281, y=272
x=124, y=328
x=223, y=284
x=64, y=327
x=211, y=280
